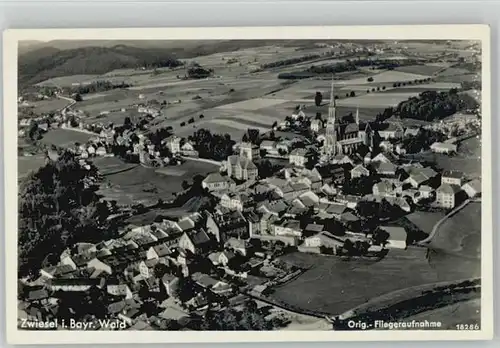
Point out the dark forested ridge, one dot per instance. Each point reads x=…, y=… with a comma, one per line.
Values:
x=45, y=63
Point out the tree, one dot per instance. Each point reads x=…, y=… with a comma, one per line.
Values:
x=352, y=94
x=318, y=98
x=191, y=120
x=78, y=97
x=202, y=116
x=275, y=124
x=245, y=138
x=383, y=88
x=370, y=79
x=253, y=135
x=185, y=185
x=318, y=116
x=183, y=124
x=127, y=121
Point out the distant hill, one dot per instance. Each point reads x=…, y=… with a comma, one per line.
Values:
x=39, y=61
x=48, y=62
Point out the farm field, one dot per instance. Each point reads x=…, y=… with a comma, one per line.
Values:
x=47, y=105
x=68, y=81
x=377, y=100
x=424, y=220
x=384, y=77
x=437, y=86
x=319, y=288
x=454, y=71
x=461, y=233
x=65, y=137
x=138, y=184
x=423, y=69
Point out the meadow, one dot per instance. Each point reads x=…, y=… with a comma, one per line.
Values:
x=320, y=288
x=28, y=164
x=65, y=137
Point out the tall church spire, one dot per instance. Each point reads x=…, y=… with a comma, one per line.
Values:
x=357, y=115
x=332, y=97
x=332, y=113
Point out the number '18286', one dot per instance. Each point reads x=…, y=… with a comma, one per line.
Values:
x=467, y=327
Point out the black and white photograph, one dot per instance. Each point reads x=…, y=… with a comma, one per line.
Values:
x=326, y=186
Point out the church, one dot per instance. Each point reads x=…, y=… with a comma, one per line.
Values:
x=344, y=138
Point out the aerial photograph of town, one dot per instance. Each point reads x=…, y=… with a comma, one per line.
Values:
x=249, y=185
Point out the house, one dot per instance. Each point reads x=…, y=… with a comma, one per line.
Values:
x=419, y=175
x=383, y=188
x=426, y=191
x=38, y=296
x=99, y=265
x=396, y=237
x=324, y=239
x=237, y=245
x=334, y=210
x=249, y=150
x=359, y=171
x=227, y=225
x=221, y=258
x=331, y=174
x=146, y=268
x=209, y=283
x=288, y=228
x=384, y=168
x=342, y=159
x=452, y=177
x=235, y=201
x=171, y=283
x=121, y=290
x=173, y=143
x=195, y=241
x=446, y=148
x=316, y=125
x=447, y=195
x=412, y=131
x=392, y=130
x=217, y=182
x=187, y=149
x=101, y=151
x=299, y=157
x=241, y=168
x=472, y=188
x=158, y=251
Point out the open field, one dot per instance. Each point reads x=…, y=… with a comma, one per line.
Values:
x=424, y=220
x=27, y=164
x=374, y=100
x=453, y=315
x=390, y=76
x=461, y=233
x=437, y=86
x=423, y=69
x=47, y=105
x=253, y=104
x=454, y=72
x=68, y=81
x=320, y=287
x=65, y=137
x=136, y=184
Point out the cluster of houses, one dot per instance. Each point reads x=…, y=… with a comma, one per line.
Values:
x=209, y=257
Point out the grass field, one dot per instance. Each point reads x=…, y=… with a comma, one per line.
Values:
x=25, y=165
x=137, y=184
x=48, y=105
x=461, y=233
x=420, y=69
x=65, y=137
x=67, y=81
x=425, y=221
x=334, y=286
x=384, y=77
x=377, y=100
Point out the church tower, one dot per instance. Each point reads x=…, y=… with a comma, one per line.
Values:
x=331, y=132
x=357, y=116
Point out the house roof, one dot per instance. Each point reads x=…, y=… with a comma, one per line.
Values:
x=213, y=178
x=449, y=189
x=360, y=168
x=204, y=279
x=236, y=243
x=426, y=188
x=186, y=224
x=167, y=278
x=199, y=237
x=395, y=232
x=384, y=186
x=383, y=167
x=314, y=227
x=298, y=152
x=162, y=250
x=456, y=174
x=328, y=238
x=474, y=184
x=38, y=295
x=335, y=208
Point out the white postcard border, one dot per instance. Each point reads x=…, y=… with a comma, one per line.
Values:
x=389, y=32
